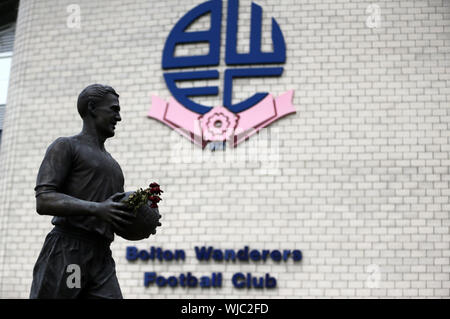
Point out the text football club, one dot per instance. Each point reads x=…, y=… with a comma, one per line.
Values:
x=214, y=280
x=229, y=122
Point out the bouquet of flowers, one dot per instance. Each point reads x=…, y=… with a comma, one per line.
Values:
x=146, y=215
x=142, y=196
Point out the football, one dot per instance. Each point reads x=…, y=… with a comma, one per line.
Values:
x=144, y=224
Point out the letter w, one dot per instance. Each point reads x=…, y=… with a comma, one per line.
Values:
x=203, y=253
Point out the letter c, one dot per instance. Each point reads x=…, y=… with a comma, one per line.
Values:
x=238, y=280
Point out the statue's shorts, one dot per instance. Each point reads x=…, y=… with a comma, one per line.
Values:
x=75, y=264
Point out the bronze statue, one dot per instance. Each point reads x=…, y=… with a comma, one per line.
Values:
x=81, y=185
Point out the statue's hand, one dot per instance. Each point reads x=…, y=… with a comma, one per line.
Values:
x=114, y=212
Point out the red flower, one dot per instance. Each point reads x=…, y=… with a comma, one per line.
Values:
x=153, y=205
x=154, y=199
x=154, y=185
x=156, y=190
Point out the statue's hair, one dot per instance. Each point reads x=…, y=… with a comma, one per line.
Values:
x=93, y=93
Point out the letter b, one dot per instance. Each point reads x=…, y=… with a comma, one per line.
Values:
x=191, y=280
x=132, y=253
x=271, y=282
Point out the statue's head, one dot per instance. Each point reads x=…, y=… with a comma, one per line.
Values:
x=99, y=105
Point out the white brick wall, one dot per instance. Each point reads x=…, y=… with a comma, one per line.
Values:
x=363, y=172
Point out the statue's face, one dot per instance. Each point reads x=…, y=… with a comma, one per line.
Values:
x=107, y=115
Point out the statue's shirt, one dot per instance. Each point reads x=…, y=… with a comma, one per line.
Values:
x=78, y=169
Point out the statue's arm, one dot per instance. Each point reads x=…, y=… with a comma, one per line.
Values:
x=111, y=210
x=59, y=204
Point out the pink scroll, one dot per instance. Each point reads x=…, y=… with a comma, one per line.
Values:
x=219, y=124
